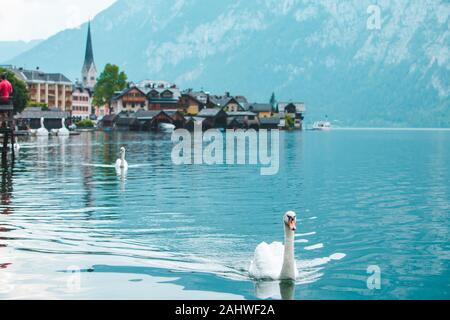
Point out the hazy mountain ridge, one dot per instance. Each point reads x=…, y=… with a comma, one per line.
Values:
x=320, y=52
x=11, y=49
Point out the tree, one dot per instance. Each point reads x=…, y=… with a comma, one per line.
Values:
x=41, y=105
x=20, y=90
x=110, y=81
x=273, y=103
x=290, y=123
x=86, y=123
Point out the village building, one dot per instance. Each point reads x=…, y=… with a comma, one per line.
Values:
x=263, y=110
x=107, y=122
x=216, y=117
x=164, y=98
x=243, y=119
x=30, y=118
x=295, y=110
x=81, y=102
x=270, y=122
x=205, y=123
x=235, y=123
x=52, y=89
x=193, y=102
x=178, y=119
x=124, y=120
x=227, y=102
x=131, y=100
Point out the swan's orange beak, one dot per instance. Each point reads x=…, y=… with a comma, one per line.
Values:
x=293, y=225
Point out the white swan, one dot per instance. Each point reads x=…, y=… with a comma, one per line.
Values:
x=122, y=164
x=277, y=261
x=41, y=132
x=63, y=131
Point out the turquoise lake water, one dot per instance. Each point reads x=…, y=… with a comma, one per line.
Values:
x=70, y=228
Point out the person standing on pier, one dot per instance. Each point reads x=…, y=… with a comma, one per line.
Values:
x=5, y=89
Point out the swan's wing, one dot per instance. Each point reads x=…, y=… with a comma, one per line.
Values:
x=268, y=261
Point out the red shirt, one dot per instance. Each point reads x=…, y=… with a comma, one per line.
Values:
x=5, y=89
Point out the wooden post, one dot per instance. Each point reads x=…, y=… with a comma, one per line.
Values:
x=5, y=146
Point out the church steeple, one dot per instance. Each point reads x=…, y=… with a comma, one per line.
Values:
x=89, y=71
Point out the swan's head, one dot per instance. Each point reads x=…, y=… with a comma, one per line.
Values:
x=290, y=220
x=122, y=150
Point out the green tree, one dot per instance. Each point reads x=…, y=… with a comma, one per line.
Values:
x=110, y=81
x=41, y=105
x=20, y=90
x=274, y=103
x=86, y=123
x=290, y=123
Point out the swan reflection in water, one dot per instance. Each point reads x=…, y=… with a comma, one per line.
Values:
x=284, y=290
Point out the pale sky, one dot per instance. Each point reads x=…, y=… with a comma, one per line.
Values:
x=38, y=19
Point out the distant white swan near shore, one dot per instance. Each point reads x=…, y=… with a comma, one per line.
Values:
x=63, y=131
x=122, y=164
x=42, y=132
x=277, y=261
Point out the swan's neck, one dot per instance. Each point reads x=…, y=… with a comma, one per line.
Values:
x=122, y=160
x=288, y=270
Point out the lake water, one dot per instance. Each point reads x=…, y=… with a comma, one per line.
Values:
x=71, y=228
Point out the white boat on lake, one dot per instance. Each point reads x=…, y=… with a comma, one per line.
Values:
x=322, y=125
x=166, y=127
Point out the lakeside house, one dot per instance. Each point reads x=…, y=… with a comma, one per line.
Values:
x=31, y=118
x=270, y=122
x=164, y=99
x=295, y=110
x=263, y=110
x=227, y=102
x=143, y=120
x=193, y=102
x=51, y=89
x=191, y=122
x=129, y=100
x=107, y=122
x=147, y=95
x=81, y=102
x=242, y=120
x=214, y=118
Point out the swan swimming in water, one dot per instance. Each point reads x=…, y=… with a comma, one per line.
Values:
x=122, y=164
x=63, y=131
x=42, y=132
x=277, y=261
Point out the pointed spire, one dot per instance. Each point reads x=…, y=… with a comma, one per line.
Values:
x=89, y=56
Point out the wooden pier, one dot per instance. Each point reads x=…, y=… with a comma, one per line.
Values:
x=7, y=127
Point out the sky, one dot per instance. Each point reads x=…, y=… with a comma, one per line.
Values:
x=39, y=19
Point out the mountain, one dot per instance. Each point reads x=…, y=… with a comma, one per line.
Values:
x=326, y=53
x=11, y=49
